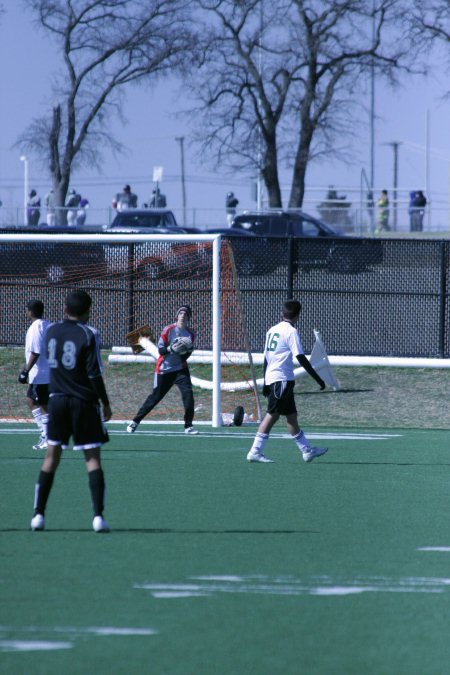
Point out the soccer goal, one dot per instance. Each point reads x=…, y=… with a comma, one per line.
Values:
x=136, y=280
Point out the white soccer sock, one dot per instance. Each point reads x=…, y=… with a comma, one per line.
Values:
x=44, y=420
x=301, y=441
x=37, y=414
x=259, y=442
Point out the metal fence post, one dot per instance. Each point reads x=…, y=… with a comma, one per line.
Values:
x=442, y=298
x=290, y=267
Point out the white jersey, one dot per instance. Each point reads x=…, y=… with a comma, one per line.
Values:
x=39, y=373
x=283, y=345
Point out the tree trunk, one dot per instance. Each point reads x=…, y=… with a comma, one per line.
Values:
x=300, y=165
x=60, y=180
x=270, y=175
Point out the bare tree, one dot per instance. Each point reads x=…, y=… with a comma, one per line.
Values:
x=430, y=26
x=279, y=81
x=103, y=46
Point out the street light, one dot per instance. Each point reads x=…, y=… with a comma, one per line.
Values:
x=180, y=140
x=24, y=159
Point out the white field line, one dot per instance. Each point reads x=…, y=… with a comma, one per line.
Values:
x=331, y=435
x=292, y=586
x=13, y=644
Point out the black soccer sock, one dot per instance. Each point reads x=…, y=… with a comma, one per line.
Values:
x=97, y=487
x=42, y=491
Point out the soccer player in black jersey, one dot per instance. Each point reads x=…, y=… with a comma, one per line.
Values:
x=76, y=387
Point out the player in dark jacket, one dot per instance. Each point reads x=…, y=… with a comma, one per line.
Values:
x=76, y=387
x=172, y=368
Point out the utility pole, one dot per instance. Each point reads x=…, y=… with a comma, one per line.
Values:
x=427, y=167
x=395, y=145
x=180, y=140
x=372, y=108
x=259, y=182
x=371, y=192
x=24, y=159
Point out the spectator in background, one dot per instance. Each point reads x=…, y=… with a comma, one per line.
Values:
x=50, y=206
x=421, y=202
x=33, y=208
x=81, y=211
x=370, y=209
x=72, y=203
x=230, y=206
x=125, y=199
x=383, y=213
x=412, y=211
x=158, y=200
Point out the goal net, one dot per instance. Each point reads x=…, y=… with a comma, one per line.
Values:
x=135, y=280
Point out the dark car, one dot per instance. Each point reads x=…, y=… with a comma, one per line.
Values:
x=323, y=246
x=283, y=224
x=145, y=221
x=55, y=261
x=153, y=260
x=243, y=245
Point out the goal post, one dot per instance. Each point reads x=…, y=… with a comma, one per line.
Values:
x=134, y=279
x=216, y=341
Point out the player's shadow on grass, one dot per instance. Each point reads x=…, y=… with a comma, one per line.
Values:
x=327, y=463
x=155, y=530
x=329, y=391
x=243, y=531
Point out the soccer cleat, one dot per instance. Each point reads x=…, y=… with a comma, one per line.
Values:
x=312, y=452
x=258, y=457
x=42, y=445
x=191, y=431
x=100, y=525
x=131, y=428
x=37, y=523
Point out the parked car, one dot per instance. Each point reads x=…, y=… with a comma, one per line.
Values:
x=327, y=247
x=244, y=245
x=153, y=260
x=144, y=221
x=56, y=261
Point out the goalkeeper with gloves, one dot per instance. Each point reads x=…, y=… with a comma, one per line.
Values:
x=175, y=346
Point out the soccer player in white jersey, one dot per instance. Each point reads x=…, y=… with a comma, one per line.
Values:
x=36, y=371
x=283, y=344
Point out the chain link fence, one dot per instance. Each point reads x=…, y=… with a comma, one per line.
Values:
x=369, y=297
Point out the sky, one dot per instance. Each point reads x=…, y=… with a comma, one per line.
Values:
x=416, y=117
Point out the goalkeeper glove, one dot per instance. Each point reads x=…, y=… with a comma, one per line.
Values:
x=23, y=376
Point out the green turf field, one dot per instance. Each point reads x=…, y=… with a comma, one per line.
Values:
x=215, y=566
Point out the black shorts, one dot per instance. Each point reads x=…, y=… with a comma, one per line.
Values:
x=38, y=393
x=281, y=398
x=73, y=417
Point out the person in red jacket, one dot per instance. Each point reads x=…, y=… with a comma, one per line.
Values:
x=172, y=368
